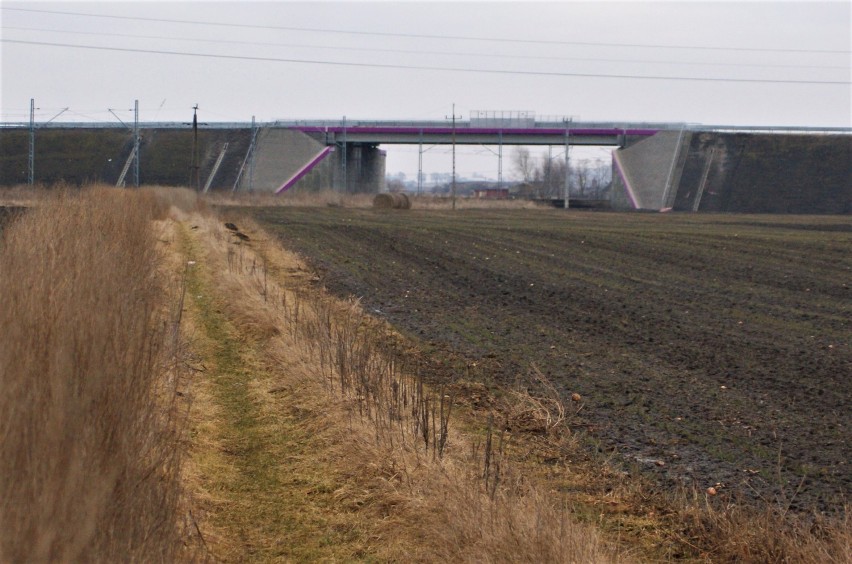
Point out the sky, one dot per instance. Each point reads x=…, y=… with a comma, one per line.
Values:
x=714, y=63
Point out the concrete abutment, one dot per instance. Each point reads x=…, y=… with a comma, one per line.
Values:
x=735, y=172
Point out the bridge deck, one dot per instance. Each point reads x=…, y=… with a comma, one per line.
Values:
x=473, y=135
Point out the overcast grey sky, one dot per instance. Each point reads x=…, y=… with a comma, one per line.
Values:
x=580, y=59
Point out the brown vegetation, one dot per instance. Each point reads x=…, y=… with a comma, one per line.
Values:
x=332, y=199
x=89, y=456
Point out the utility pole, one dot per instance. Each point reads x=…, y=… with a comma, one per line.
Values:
x=194, y=176
x=133, y=158
x=251, y=150
x=548, y=177
x=454, y=117
x=567, y=189
x=500, y=162
x=420, y=165
x=345, y=162
x=136, y=142
x=31, y=160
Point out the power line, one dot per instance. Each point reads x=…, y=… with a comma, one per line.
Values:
x=428, y=36
x=426, y=67
x=423, y=52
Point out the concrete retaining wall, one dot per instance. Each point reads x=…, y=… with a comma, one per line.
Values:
x=641, y=172
x=279, y=154
x=735, y=172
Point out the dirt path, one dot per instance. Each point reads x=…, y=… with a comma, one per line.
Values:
x=258, y=438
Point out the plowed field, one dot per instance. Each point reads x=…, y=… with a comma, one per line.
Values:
x=709, y=349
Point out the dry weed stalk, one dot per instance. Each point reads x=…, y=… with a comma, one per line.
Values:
x=538, y=406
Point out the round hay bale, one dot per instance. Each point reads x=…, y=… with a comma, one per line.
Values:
x=392, y=201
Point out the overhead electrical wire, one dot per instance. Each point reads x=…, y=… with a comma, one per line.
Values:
x=430, y=36
x=424, y=67
x=422, y=52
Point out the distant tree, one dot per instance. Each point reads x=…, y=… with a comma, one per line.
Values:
x=394, y=184
x=524, y=164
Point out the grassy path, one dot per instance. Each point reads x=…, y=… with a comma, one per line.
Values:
x=256, y=445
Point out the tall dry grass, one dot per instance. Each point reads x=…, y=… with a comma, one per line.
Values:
x=738, y=532
x=89, y=457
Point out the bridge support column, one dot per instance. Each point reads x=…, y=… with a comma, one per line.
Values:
x=360, y=169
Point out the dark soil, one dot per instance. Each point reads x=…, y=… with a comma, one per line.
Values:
x=709, y=349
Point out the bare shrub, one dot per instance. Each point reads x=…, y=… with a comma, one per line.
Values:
x=89, y=459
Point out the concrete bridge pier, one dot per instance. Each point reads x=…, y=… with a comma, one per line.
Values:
x=359, y=168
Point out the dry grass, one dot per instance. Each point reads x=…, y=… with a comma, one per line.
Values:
x=295, y=198
x=734, y=532
x=421, y=489
x=23, y=195
x=446, y=203
x=331, y=198
x=89, y=452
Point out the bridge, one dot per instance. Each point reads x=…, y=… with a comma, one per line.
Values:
x=360, y=162
x=474, y=133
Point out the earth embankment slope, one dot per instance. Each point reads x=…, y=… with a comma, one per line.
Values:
x=80, y=156
x=747, y=173
x=710, y=349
